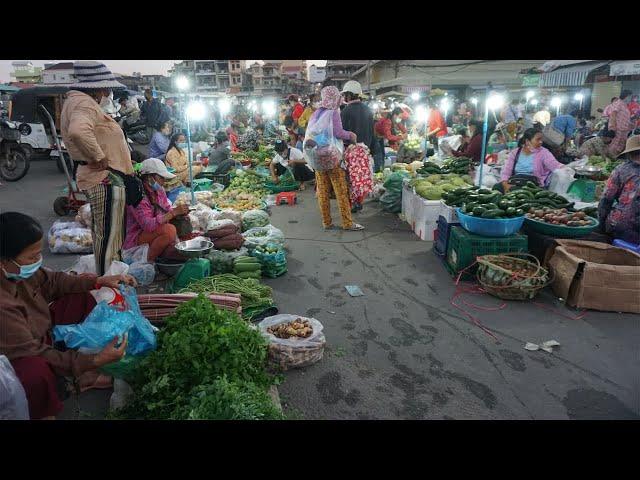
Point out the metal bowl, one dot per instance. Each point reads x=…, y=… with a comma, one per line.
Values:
x=588, y=170
x=194, y=248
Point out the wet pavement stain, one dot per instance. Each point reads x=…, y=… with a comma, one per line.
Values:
x=349, y=327
x=347, y=263
x=543, y=360
x=411, y=281
x=590, y=404
x=313, y=311
x=372, y=287
x=293, y=221
x=399, y=305
x=429, y=328
x=313, y=281
x=360, y=348
x=336, y=274
x=513, y=359
x=408, y=334
x=330, y=389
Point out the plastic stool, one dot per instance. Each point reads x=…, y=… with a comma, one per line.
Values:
x=290, y=198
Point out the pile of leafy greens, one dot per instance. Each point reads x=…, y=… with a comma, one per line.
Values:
x=210, y=364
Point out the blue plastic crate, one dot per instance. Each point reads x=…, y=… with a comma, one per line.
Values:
x=444, y=231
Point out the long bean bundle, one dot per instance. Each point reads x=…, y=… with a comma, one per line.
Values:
x=255, y=297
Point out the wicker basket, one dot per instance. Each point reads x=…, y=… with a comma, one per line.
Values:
x=498, y=277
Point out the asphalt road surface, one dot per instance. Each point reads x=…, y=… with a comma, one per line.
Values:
x=402, y=351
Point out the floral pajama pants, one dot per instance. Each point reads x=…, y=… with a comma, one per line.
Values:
x=325, y=181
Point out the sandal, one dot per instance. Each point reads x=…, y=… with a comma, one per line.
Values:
x=329, y=227
x=356, y=227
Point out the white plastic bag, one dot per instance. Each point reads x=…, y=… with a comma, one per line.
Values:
x=84, y=264
x=84, y=215
x=13, y=400
x=137, y=254
x=490, y=176
x=121, y=393
x=70, y=237
x=560, y=180
x=294, y=352
x=233, y=215
x=254, y=218
x=144, y=273
x=328, y=150
x=259, y=236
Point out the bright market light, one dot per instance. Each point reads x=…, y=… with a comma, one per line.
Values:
x=182, y=83
x=269, y=108
x=415, y=96
x=474, y=100
x=444, y=105
x=224, y=105
x=375, y=105
x=196, y=111
x=556, y=102
x=422, y=113
x=495, y=101
x=530, y=94
x=579, y=97
x=534, y=102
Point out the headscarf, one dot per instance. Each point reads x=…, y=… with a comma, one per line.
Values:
x=330, y=98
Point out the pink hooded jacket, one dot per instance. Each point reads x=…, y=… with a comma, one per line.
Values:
x=543, y=164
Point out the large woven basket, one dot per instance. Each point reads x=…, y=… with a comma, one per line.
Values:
x=512, y=276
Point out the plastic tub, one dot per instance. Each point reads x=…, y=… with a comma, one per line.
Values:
x=490, y=227
x=561, y=230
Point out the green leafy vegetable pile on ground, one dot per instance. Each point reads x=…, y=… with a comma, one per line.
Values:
x=210, y=364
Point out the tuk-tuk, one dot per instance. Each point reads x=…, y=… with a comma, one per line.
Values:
x=25, y=108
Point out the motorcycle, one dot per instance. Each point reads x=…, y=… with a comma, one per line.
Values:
x=14, y=161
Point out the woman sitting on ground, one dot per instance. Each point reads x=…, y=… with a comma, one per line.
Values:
x=33, y=301
x=220, y=156
x=598, y=145
x=177, y=158
x=530, y=161
x=148, y=222
x=292, y=159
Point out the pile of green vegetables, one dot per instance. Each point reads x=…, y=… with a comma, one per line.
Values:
x=435, y=186
x=209, y=365
x=606, y=164
x=247, y=267
x=459, y=165
x=480, y=202
x=256, y=298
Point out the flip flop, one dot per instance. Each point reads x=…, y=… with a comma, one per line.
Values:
x=356, y=227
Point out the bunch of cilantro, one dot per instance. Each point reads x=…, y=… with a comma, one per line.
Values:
x=209, y=364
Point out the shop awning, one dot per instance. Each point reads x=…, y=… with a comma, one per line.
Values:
x=630, y=67
x=572, y=76
x=8, y=88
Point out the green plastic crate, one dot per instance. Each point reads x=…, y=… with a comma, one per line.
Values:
x=464, y=247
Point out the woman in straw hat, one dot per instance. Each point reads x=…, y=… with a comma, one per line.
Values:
x=622, y=220
x=96, y=142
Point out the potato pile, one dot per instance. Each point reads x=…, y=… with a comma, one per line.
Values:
x=298, y=328
x=560, y=217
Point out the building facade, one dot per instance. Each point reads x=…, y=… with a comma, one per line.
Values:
x=339, y=72
x=58, y=74
x=317, y=74
x=211, y=76
x=25, y=72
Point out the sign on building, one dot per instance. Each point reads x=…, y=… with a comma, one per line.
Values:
x=531, y=80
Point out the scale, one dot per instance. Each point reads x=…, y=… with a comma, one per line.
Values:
x=584, y=187
x=196, y=268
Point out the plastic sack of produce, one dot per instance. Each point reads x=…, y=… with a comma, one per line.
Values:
x=254, y=218
x=84, y=215
x=70, y=237
x=232, y=241
x=273, y=259
x=561, y=179
x=391, y=200
x=229, y=214
x=222, y=260
x=222, y=231
x=201, y=216
x=322, y=150
x=138, y=254
x=295, y=351
x=13, y=400
x=263, y=235
x=144, y=273
x=206, y=198
x=108, y=321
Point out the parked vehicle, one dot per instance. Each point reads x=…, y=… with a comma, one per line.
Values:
x=14, y=161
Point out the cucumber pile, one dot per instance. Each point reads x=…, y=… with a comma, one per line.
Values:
x=247, y=267
x=460, y=165
x=483, y=203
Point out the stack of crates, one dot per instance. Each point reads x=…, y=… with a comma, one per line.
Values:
x=463, y=248
x=442, y=236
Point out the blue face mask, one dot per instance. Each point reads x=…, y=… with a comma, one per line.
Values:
x=182, y=146
x=156, y=186
x=26, y=271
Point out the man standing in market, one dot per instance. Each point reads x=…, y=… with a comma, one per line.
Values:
x=152, y=112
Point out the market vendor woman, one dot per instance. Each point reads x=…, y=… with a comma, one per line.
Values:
x=33, y=300
x=619, y=209
x=149, y=221
x=530, y=161
x=290, y=158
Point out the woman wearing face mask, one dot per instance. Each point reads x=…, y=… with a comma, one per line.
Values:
x=392, y=129
x=35, y=299
x=177, y=158
x=96, y=142
x=311, y=107
x=529, y=162
x=160, y=141
x=149, y=221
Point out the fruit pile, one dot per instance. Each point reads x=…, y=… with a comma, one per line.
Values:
x=434, y=187
x=560, y=217
x=298, y=328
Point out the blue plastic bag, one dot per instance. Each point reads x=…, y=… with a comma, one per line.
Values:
x=106, y=322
